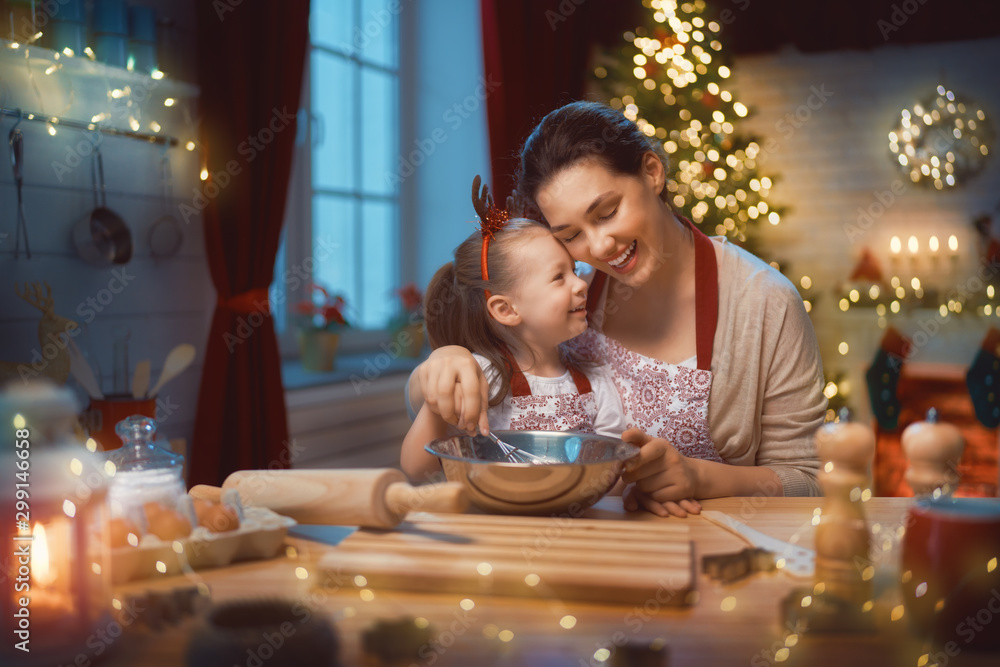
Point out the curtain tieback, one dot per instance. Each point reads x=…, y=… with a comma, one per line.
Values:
x=252, y=301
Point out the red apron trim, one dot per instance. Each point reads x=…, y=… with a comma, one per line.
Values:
x=706, y=294
x=519, y=384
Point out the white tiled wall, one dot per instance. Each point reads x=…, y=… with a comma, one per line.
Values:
x=827, y=117
x=164, y=301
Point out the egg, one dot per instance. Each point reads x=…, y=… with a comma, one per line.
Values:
x=166, y=523
x=120, y=529
x=215, y=516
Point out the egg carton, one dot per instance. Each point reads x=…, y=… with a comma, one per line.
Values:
x=261, y=535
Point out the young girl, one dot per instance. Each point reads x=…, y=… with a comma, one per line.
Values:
x=512, y=298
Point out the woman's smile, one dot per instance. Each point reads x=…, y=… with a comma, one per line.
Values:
x=626, y=261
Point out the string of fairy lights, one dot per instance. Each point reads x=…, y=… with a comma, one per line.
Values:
x=125, y=98
x=715, y=179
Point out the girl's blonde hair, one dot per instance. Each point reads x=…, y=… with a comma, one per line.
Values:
x=455, y=309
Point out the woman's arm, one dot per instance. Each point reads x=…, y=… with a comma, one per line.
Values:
x=453, y=384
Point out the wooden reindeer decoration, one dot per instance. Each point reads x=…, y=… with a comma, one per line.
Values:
x=51, y=357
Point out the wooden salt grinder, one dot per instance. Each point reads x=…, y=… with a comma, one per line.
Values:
x=933, y=450
x=846, y=451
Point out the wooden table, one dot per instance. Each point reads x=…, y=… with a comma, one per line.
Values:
x=736, y=624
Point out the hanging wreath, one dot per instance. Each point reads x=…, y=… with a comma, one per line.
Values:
x=942, y=141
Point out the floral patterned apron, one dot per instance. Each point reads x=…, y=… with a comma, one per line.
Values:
x=561, y=412
x=666, y=400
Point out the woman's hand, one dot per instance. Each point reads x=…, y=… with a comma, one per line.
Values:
x=455, y=388
x=660, y=479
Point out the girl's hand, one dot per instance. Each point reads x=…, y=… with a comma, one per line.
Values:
x=455, y=388
x=660, y=479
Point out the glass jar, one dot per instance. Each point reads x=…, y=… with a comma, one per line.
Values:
x=144, y=471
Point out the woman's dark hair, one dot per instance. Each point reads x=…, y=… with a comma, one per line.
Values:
x=582, y=131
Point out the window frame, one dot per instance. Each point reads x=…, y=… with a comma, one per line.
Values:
x=298, y=227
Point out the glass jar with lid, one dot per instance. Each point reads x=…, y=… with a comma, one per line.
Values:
x=144, y=472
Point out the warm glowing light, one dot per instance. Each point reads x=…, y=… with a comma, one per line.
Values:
x=204, y=174
x=189, y=145
x=932, y=243
x=484, y=568
x=532, y=580
x=602, y=655
x=68, y=51
x=42, y=571
x=156, y=74
x=301, y=573
x=19, y=421
x=366, y=595
x=897, y=612
x=505, y=636
x=467, y=604
x=728, y=604
x=913, y=245
x=568, y=621
x=169, y=102
x=360, y=581
x=953, y=243
x=895, y=245
x=843, y=348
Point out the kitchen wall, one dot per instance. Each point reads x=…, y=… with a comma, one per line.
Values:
x=163, y=301
x=824, y=120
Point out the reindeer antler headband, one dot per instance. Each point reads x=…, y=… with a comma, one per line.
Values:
x=491, y=221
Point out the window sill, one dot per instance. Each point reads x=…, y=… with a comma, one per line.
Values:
x=357, y=368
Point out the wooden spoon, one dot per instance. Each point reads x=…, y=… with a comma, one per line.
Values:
x=178, y=359
x=140, y=379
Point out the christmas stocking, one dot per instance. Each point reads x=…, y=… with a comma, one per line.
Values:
x=983, y=376
x=883, y=376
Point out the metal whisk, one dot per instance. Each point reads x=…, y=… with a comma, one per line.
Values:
x=518, y=455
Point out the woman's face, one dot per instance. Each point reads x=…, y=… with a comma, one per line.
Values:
x=614, y=222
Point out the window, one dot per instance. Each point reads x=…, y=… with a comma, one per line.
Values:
x=346, y=163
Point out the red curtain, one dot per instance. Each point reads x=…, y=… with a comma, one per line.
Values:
x=251, y=59
x=538, y=51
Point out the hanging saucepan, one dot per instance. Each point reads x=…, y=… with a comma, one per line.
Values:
x=102, y=237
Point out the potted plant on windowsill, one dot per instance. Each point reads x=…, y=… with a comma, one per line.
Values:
x=407, y=327
x=320, y=322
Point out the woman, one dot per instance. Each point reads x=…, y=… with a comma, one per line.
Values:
x=712, y=351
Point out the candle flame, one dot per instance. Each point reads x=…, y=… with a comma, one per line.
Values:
x=41, y=571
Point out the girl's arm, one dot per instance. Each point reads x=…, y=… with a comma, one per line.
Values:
x=452, y=383
x=416, y=462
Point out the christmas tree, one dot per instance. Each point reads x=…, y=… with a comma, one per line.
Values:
x=672, y=77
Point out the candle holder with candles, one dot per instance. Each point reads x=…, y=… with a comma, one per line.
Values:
x=58, y=579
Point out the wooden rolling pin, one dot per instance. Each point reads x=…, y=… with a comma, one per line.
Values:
x=371, y=497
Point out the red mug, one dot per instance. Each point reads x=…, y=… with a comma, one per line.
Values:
x=950, y=571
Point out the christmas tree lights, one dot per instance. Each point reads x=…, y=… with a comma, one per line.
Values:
x=672, y=78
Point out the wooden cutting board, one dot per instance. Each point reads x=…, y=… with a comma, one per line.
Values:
x=628, y=562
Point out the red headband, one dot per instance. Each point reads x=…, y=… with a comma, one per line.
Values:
x=494, y=222
x=491, y=221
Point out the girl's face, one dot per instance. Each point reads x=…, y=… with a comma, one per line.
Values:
x=549, y=299
x=612, y=221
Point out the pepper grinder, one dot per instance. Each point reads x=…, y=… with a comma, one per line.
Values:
x=843, y=579
x=933, y=450
x=842, y=539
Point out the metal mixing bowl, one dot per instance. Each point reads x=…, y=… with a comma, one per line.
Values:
x=586, y=468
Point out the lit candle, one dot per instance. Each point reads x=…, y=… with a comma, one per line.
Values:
x=51, y=602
